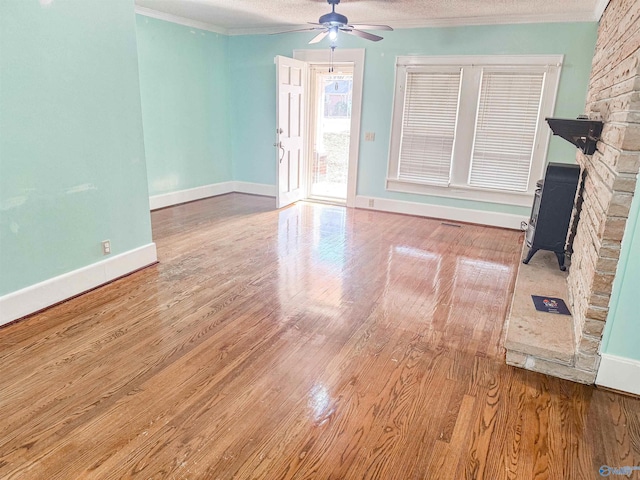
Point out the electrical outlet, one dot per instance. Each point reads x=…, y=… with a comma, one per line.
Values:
x=369, y=136
x=106, y=247
x=371, y=203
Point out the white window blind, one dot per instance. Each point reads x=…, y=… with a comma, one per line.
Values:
x=506, y=125
x=428, y=127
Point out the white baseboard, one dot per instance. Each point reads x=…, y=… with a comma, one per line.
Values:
x=495, y=219
x=255, y=188
x=198, y=193
x=31, y=299
x=619, y=373
x=189, y=195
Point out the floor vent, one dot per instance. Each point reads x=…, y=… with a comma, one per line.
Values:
x=451, y=224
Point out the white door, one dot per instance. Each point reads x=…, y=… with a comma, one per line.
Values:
x=291, y=79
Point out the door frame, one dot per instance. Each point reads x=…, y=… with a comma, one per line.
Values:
x=354, y=56
x=312, y=121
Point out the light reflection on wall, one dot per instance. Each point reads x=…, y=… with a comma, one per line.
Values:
x=167, y=183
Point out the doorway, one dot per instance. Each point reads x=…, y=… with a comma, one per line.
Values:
x=331, y=100
x=353, y=58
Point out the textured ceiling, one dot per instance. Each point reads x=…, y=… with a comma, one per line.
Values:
x=245, y=16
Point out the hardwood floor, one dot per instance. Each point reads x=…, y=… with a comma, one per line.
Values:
x=312, y=342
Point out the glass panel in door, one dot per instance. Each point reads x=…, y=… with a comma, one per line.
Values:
x=331, y=130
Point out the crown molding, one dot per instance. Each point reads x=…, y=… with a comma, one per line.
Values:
x=493, y=20
x=267, y=30
x=187, y=22
x=401, y=24
x=446, y=22
x=601, y=6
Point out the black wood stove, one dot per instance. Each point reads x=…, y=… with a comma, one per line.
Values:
x=551, y=212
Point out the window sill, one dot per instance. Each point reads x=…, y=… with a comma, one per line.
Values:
x=463, y=192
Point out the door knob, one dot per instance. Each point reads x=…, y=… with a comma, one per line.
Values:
x=279, y=131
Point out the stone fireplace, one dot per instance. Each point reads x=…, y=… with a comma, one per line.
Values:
x=570, y=349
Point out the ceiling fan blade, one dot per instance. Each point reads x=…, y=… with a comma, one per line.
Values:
x=310, y=29
x=361, y=34
x=372, y=27
x=319, y=37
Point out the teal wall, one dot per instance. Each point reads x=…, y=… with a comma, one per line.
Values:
x=72, y=157
x=253, y=91
x=72, y=165
x=185, y=105
x=622, y=330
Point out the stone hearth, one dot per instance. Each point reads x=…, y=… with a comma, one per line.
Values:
x=539, y=341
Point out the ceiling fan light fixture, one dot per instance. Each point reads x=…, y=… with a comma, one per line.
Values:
x=331, y=22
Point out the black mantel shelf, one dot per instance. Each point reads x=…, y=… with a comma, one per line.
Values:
x=583, y=133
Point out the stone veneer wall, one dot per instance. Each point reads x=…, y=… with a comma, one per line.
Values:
x=611, y=173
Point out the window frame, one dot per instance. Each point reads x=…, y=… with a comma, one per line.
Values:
x=472, y=67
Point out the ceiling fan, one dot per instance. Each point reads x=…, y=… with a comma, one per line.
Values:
x=333, y=22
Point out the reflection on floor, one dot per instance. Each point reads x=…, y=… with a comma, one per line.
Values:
x=329, y=190
x=312, y=342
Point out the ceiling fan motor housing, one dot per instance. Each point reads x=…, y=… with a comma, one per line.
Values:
x=332, y=23
x=333, y=19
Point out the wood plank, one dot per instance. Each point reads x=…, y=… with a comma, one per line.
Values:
x=310, y=342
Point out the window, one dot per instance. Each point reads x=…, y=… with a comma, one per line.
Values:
x=506, y=123
x=428, y=126
x=472, y=127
